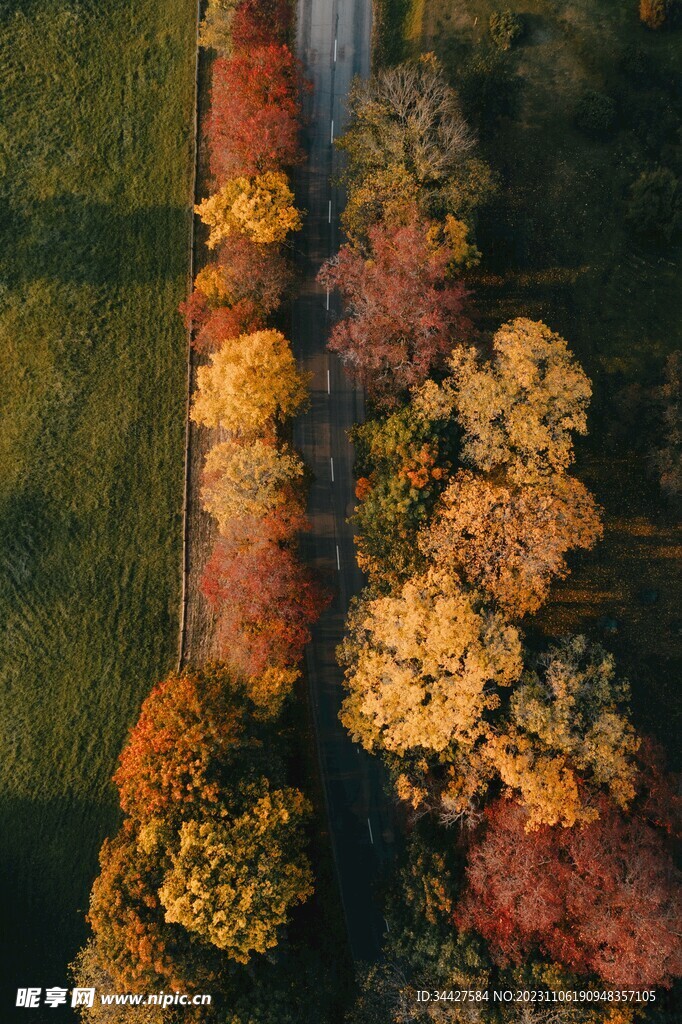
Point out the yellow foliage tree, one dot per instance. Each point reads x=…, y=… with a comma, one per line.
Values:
x=215, y=31
x=519, y=410
x=269, y=690
x=568, y=721
x=251, y=380
x=262, y=208
x=234, y=880
x=423, y=667
x=381, y=195
x=90, y=970
x=243, y=481
x=511, y=541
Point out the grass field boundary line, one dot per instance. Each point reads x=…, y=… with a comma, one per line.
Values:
x=190, y=281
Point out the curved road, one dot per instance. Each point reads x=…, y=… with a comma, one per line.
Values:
x=334, y=45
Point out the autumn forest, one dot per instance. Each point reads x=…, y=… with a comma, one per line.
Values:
x=530, y=810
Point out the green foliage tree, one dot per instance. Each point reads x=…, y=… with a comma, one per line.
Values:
x=506, y=28
x=595, y=115
x=654, y=209
x=406, y=142
x=404, y=461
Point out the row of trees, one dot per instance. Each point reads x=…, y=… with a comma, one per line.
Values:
x=467, y=513
x=209, y=861
x=414, y=185
x=254, y=482
x=201, y=880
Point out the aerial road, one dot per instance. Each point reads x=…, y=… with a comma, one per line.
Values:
x=333, y=42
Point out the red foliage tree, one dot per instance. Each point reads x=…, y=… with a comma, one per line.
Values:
x=403, y=314
x=602, y=899
x=228, y=322
x=254, y=122
x=236, y=292
x=266, y=602
x=259, y=22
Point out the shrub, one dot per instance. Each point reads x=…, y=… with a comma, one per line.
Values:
x=595, y=115
x=635, y=63
x=667, y=455
x=505, y=28
x=655, y=204
x=488, y=89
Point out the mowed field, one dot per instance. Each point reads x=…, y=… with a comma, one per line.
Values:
x=557, y=247
x=95, y=161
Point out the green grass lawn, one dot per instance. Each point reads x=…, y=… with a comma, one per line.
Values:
x=95, y=160
x=557, y=247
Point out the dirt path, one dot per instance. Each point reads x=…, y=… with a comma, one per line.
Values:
x=196, y=641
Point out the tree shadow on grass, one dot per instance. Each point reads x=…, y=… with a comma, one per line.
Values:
x=48, y=861
x=74, y=241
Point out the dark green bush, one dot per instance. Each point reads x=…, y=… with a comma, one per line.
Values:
x=655, y=205
x=505, y=28
x=488, y=89
x=595, y=115
x=635, y=63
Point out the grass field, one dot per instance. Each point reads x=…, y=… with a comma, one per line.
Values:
x=556, y=247
x=95, y=155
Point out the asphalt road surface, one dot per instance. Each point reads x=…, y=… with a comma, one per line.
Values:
x=334, y=45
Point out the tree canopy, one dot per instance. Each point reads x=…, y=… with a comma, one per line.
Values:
x=511, y=541
x=519, y=411
x=254, y=118
x=260, y=207
x=403, y=313
x=601, y=899
x=250, y=382
x=265, y=600
x=408, y=142
x=423, y=666
x=233, y=880
x=251, y=481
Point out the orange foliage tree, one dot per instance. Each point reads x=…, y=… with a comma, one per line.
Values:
x=197, y=774
x=510, y=540
x=235, y=292
x=141, y=951
x=190, y=728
